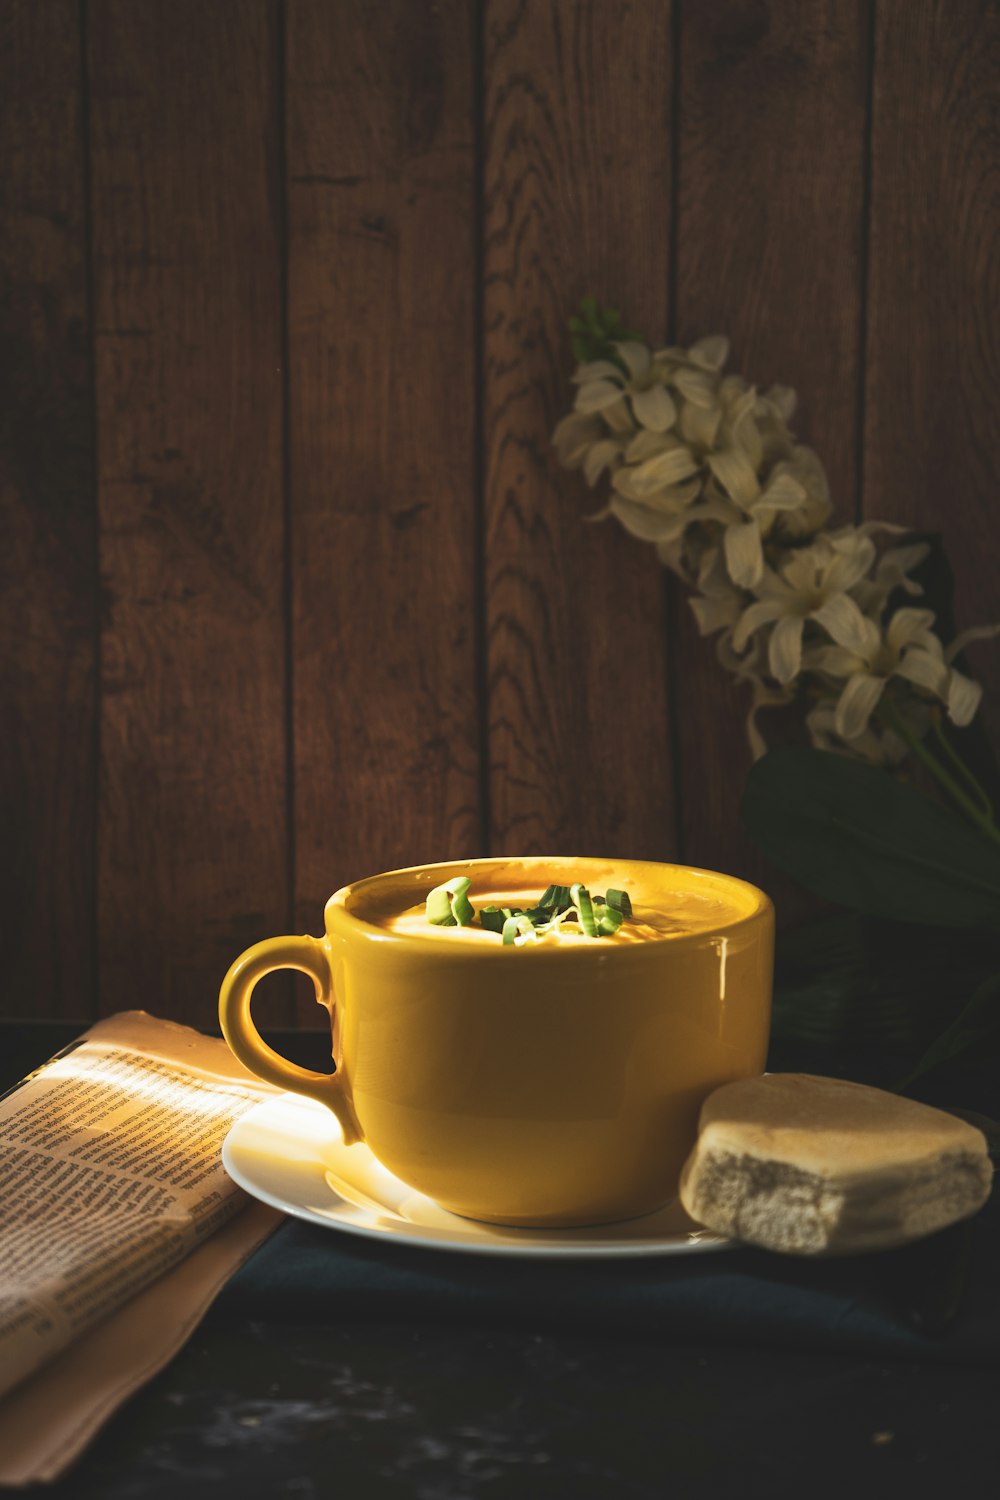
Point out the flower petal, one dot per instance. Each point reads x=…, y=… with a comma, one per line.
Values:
x=911, y=627
x=665, y=497
x=974, y=633
x=735, y=474
x=712, y=577
x=654, y=408
x=924, y=670
x=636, y=358
x=700, y=425
x=600, y=456
x=744, y=554
x=852, y=559
x=671, y=555
x=710, y=353
x=868, y=528
x=618, y=417
x=713, y=613
x=763, y=697
x=782, y=492
x=668, y=467
x=856, y=705
x=710, y=509
x=834, y=661
x=756, y=615
x=648, y=525
x=896, y=563
x=573, y=436
x=784, y=649
x=963, y=698
x=596, y=395
x=597, y=369
x=784, y=400
x=843, y=621
x=644, y=445
x=695, y=386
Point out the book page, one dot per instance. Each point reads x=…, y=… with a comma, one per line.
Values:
x=110, y=1173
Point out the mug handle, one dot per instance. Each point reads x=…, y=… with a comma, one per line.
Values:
x=245, y=1041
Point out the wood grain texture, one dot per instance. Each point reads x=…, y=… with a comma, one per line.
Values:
x=932, y=443
x=577, y=200
x=48, y=573
x=770, y=239
x=187, y=224
x=382, y=249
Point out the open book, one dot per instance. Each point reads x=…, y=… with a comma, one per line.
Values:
x=110, y=1174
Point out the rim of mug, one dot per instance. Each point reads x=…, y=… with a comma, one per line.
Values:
x=375, y=933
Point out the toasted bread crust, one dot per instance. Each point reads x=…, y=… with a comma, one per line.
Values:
x=815, y=1165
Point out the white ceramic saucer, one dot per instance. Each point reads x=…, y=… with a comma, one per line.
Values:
x=289, y=1152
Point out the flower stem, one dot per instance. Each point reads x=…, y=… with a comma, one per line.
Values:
x=887, y=713
x=962, y=768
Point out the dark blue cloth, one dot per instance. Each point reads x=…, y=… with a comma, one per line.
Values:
x=883, y=1305
x=899, y=1303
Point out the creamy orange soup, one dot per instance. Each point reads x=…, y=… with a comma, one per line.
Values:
x=687, y=912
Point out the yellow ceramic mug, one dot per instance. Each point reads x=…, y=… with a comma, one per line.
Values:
x=550, y=1084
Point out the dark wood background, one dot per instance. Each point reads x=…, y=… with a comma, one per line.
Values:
x=292, y=587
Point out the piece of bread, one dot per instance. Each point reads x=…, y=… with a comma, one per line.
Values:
x=818, y=1166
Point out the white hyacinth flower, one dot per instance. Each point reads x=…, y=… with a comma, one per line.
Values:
x=906, y=648
x=754, y=506
x=603, y=385
x=811, y=584
x=705, y=468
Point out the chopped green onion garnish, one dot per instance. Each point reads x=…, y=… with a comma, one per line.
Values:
x=438, y=908
x=462, y=908
x=516, y=929
x=448, y=905
x=584, y=905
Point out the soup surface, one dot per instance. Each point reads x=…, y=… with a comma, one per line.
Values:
x=686, y=911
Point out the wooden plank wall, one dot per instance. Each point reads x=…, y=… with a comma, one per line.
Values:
x=293, y=589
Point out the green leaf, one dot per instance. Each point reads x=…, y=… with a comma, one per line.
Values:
x=856, y=836
x=975, y=1023
x=845, y=980
x=593, y=322
x=936, y=579
x=831, y=988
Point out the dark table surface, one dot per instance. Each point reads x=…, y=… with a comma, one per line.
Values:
x=358, y=1404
